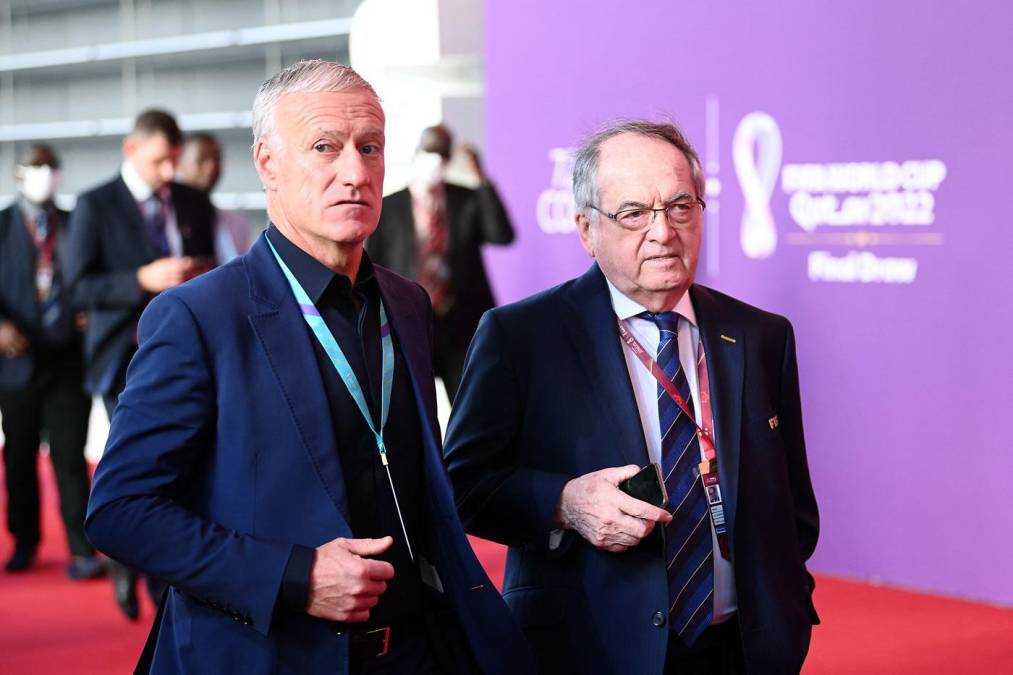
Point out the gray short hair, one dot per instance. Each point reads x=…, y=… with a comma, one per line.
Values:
x=309, y=76
x=585, y=163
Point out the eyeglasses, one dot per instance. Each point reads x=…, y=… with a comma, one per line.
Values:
x=680, y=213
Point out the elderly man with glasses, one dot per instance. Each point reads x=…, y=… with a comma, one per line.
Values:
x=697, y=563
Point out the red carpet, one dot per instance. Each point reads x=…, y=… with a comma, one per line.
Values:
x=49, y=624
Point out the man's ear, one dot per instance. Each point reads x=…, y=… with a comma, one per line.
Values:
x=129, y=145
x=265, y=160
x=585, y=233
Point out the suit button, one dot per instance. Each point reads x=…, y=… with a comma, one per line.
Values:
x=658, y=619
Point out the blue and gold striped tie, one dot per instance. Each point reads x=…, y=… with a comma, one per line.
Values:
x=689, y=552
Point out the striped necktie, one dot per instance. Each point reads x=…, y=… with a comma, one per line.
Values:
x=689, y=552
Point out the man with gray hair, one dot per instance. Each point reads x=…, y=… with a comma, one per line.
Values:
x=695, y=563
x=275, y=456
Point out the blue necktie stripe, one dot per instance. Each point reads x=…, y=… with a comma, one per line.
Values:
x=688, y=546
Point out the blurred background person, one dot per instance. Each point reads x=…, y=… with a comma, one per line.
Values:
x=41, y=367
x=433, y=232
x=131, y=238
x=200, y=167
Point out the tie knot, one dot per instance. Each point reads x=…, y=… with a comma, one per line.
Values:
x=667, y=322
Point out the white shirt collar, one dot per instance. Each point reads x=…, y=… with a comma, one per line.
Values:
x=626, y=308
x=140, y=190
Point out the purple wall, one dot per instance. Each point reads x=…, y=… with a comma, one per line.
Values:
x=881, y=163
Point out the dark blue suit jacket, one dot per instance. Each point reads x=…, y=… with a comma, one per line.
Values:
x=546, y=397
x=222, y=456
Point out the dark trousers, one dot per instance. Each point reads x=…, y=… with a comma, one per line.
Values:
x=717, y=652
x=55, y=401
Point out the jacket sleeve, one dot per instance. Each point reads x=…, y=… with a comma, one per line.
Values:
x=163, y=434
x=498, y=497
x=494, y=223
x=91, y=285
x=806, y=512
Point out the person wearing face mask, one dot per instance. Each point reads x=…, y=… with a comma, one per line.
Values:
x=41, y=370
x=433, y=232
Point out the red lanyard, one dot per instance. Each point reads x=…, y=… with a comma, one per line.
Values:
x=709, y=466
x=44, y=242
x=706, y=442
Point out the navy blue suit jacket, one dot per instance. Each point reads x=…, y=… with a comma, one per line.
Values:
x=222, y=456
x=546, y=397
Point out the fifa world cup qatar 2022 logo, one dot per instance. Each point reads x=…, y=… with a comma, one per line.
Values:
x=843, y=212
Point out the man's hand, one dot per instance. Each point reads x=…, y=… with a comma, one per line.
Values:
x=345, y=585
x=603, y=514
x=12, y=341
x=164, y=273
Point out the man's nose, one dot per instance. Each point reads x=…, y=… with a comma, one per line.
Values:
x=352, y=168
x=659, y=228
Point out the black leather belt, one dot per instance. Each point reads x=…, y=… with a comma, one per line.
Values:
x=369, y=644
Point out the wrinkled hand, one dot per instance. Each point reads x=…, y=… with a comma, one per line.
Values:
x=12, y=341
x=344, y=584
x=164, y=273
x=603, y=514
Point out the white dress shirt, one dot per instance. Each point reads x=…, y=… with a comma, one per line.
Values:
x=142, y=192
x=645, y=389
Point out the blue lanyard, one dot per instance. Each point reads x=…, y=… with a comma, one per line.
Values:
x=340, y=362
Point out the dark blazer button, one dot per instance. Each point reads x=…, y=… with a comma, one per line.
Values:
x=658, y=619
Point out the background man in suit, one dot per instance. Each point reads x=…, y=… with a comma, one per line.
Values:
x=41, y=371
x=433, y=232
x=200, y=167
x=275, y=455
x=130, y=239
x=555, y=409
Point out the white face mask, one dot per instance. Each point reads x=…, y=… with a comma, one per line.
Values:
x=38, y=183
x=427, y=169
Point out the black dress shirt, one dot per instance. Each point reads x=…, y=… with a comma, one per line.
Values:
x=352, y=314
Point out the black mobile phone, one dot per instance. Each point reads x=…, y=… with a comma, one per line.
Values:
x=647, y=486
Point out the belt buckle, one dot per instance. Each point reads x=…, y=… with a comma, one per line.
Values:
x=386, y=640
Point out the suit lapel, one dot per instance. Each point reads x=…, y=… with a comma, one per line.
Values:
x=287, y=345
x=403, y=317
x=723, y=342
x=592, y=328
x=126, y=205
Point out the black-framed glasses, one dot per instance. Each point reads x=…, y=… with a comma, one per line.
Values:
x=680, y=212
